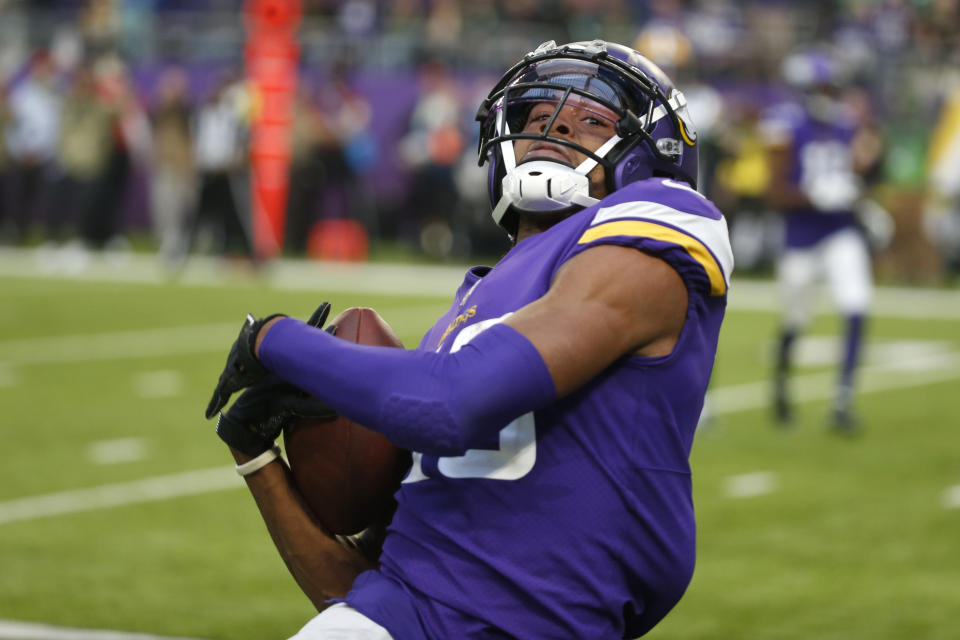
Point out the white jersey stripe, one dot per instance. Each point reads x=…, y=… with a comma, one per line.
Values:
x=710, y=232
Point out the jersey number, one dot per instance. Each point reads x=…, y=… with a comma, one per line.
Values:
x=824, y=159
x=511, y=460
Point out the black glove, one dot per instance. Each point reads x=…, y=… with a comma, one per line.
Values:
x=320, y=316
x=260, y=413
x=258, y=416
x=243, y=368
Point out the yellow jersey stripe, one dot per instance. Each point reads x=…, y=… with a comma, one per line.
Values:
x=691, y=245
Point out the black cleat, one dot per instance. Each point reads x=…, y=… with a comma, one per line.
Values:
x=843, y=419
x=782, y=409
x=844, y=422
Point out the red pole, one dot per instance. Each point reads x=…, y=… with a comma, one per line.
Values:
x=272, y=54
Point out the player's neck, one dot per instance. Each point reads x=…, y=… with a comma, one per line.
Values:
x=532, y=224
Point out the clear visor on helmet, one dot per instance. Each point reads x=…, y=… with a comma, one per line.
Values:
x=576, y=83
x=533, y=112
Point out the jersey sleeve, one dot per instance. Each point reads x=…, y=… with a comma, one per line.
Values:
x=693, y=240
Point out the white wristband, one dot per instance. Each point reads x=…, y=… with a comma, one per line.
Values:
x=259, y=462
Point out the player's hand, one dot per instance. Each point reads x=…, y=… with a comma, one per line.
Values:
x=833, y=192
x=242, y=369
x=260, y=413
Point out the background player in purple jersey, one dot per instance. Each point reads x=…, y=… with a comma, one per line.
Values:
x=818, y=181
x=551, y=410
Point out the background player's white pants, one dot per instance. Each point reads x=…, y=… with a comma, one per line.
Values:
x=342, y=622
x=843, y=260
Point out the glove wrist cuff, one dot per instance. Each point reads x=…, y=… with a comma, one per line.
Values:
x=239, y=437
x=252, y=338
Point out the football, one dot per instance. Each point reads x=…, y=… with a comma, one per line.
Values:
x=346, y=472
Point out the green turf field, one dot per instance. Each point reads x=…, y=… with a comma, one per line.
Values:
x=119, y=508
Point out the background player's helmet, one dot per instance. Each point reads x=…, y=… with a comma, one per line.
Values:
x=819, y=76
x=814, y=67
x=654, y=133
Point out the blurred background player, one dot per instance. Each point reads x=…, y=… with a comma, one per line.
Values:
x=819, y=160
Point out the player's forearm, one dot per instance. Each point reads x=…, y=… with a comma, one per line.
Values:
x=783, y=193
x=321, y=566
x=786, y=196
x=441, y=404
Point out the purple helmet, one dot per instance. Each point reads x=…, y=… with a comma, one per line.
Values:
x=654, y=133
x=815, y=67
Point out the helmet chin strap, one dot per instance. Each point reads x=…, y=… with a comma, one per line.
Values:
x=545, y=186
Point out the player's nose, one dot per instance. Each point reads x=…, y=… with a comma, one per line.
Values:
x=561, y=126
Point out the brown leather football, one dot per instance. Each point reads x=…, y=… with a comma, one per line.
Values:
x=346, y=472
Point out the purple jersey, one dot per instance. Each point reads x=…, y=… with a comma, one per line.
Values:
x=816, y=147
x=576, y=521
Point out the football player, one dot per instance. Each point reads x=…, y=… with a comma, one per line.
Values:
x=551, y=410
x=817, y=182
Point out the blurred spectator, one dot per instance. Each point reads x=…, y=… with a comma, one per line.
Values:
x=99, y=28
x=313, y=146
x=430, y=150
x=942, y=207
x=219, y=144
x=349, y=116
x=172, y=181
x=86, y=139
x=334, y=148
x=740, y=188
x=31, y=138
x=663, y=37
x=102, y=226
x=474, y=235
x=443, y=30
x=5, y=119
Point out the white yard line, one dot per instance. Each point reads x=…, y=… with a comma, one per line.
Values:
x=750, y=485
x=822, y=386
x=15, y=630
x=896, y=302
x=117, y=450
x=407, y=279
x=951, y=497
x=140, y=343
x=308, y=275
x=888, y=364
x=120, y=494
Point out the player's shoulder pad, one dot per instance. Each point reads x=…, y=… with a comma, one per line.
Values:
x=671, y=213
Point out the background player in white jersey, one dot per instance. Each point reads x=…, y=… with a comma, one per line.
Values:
x=817, y=182
x=551, y=410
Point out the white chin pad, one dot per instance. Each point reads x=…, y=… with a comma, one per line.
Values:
x=541, y=185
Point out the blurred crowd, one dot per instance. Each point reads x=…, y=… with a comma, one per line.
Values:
x=130, y=121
